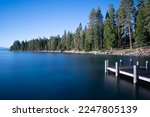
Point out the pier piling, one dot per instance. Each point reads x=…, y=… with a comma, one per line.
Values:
x=135, y=73
x=147, y=65
x=117, y=69
x=105, y=66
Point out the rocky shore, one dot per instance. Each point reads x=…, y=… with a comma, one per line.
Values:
x=124, y=52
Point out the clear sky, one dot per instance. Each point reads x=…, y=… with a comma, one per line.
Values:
x=27, y=19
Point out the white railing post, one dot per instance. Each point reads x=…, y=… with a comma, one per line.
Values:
x=117, y=69
x=138, y=64
x=107, y=63
x=135, y=73
x=131, y=62
x=147, y=65
x=121, y=62
x=105, y=66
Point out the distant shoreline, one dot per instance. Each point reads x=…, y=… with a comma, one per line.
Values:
x=124, y=52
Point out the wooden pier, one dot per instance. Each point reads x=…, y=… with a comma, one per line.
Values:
x=136, y=72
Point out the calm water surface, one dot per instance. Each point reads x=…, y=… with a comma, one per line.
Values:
x=27, y=75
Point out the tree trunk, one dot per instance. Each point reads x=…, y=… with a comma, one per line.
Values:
x=119, y=40
x=101, y=43
x=130, y=36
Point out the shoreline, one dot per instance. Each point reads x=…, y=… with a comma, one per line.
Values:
x=121, y=52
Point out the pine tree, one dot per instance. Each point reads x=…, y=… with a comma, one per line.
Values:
x=147, y=5
x=80, y=27
x=107, y=15
x=72, y=41
x=87, y=42
x=140, y=31
x=81, y=37
x=96, y=37
x=92, y=19
x=120, y=23
x=110, y=28
x=54, y=43
x=22, y=46
x=77, y=39
x=26, y=46
x=37, y=45
x=130, y=12
x=112, y=17
x=49, y=44
x=99, y=28
x=59, y=45
x=126, y=17
x=68, y=40
x=16, y=45
x=95, y=28
x=63, y=41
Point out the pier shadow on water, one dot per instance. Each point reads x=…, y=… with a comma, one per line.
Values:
x=124, y=88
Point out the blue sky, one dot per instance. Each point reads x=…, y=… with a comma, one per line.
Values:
x=27, y=19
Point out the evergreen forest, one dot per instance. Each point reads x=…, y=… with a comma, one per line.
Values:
x=125, y=27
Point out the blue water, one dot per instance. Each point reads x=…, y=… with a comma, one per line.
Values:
x=45, y=76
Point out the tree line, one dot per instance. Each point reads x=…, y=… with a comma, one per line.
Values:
x=129, y=26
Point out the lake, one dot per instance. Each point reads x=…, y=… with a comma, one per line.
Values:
x=47, y=76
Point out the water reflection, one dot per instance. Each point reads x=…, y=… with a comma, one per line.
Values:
x=125, y=89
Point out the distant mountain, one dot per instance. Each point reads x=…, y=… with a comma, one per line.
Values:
x=4, y=49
